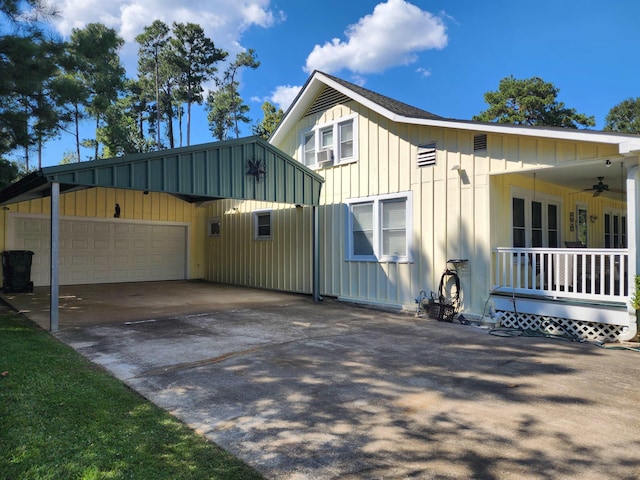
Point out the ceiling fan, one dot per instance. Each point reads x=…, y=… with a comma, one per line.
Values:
x=598, y=188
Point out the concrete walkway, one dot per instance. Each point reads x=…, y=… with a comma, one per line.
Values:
x=306, y=391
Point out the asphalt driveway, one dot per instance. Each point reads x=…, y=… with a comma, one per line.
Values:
x=321, y=391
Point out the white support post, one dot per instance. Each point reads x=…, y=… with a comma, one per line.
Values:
x=633, y=236
x=55, y=242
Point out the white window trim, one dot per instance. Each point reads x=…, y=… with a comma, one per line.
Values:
x=377, y=229
x=212, y=221
x=257, y=213
x=531, y=196
x=335, y=125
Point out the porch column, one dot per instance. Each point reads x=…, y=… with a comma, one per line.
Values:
x=55, y=242
x=633, y=236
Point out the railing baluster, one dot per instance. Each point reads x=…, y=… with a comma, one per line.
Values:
x=590, y=274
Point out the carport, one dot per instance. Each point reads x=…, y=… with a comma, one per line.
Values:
x=243, y=169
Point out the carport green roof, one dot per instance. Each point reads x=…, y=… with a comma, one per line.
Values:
x=246, y=169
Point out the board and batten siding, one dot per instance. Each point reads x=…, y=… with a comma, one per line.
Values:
x=456, y=214
x=282, y=262
x=134, y=205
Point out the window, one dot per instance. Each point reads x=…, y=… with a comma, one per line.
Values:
x=213, y=227
x=615, y=229
x=534, y=222
x=309, y=149
x=330, y=144
x=262, y=225
x=379, y=228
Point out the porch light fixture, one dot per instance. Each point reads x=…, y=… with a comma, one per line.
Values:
x=593, y=218
x=607, y=163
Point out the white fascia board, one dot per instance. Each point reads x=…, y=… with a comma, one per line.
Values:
x=627, y=145
x=296, y=110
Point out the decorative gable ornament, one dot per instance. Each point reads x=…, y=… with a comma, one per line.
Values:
x=256, y=169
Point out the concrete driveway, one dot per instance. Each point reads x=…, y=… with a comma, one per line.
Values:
x=321, y=391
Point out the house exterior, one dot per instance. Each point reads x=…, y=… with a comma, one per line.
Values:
x=406, y=191
x=399, y=195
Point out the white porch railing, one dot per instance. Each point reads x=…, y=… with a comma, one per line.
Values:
x=591, y=274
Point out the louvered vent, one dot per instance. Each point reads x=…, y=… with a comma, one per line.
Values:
x=325, y=100
x=480, y=143
x=426, y=154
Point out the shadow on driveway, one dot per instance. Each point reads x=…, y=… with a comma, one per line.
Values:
x=318, y=391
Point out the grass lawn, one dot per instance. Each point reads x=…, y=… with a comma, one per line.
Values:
x=61, y=417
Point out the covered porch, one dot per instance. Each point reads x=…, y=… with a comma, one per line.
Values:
x=571, y=261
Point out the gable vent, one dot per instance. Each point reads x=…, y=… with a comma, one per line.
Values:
x=480, y=143
x=426, y=154
x=327, y=99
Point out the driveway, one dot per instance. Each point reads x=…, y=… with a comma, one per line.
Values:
x=321, y=391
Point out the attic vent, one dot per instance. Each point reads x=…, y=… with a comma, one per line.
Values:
x=480, y=143
x=325, y=100
x=426, y=154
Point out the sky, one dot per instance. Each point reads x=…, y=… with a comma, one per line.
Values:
x=438, y=55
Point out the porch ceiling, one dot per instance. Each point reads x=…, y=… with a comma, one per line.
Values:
x=584, y=176
x=245, y=169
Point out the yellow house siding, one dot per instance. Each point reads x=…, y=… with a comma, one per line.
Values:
x=236, y=257
x=456, y=214
x=100, y=203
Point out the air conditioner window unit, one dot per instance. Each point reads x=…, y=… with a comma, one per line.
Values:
x=325, y=157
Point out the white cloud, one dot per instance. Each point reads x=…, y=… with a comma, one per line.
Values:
x=392, y=35
x=424, y=72
x=284, y=95
x=223, y=21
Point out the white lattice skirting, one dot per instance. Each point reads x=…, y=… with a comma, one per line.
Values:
x=561, y=326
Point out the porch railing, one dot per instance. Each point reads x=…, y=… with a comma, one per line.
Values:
x=575, y=273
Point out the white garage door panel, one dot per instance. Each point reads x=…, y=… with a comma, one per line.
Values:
x=93, y=251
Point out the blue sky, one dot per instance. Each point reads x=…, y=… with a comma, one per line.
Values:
x=441, y=56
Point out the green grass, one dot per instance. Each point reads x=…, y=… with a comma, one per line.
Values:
x=62, y=417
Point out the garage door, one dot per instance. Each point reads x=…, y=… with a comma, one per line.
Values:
x=97, y=251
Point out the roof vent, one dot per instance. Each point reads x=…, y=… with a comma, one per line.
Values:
x=427, y=154
x=327, y=99
x=480, y=143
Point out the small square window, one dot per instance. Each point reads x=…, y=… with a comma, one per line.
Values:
x=213, y=227
x=262, y=225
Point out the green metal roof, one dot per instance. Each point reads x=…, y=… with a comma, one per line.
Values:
x=246, y=169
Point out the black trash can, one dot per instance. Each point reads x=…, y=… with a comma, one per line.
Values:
x=16, y=271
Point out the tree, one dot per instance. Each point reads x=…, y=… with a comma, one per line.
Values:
x=9, y=173
x=272, y=118
x=28, y=114
x=624, y=117
x=530, y=102
x=218, y=108
x=150, y=56
x=95, y=51
x=194, y=57
x=26, y=12
x=72, y=95
x=228, y=110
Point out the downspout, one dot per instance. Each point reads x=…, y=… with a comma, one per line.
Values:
x=315, y=247
x=633, y=236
